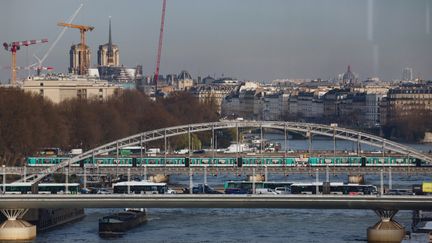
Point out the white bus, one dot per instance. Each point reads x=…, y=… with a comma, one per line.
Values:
x=141, y=187
x=43, y=188
x=335, y=188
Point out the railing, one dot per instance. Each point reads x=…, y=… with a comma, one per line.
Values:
x=216, y=201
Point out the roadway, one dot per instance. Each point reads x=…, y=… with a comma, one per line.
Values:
x=215, y=201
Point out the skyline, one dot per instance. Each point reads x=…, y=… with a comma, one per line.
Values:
x=258, y=41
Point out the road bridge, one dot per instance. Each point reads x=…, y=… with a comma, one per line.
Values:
x=15, y=206
x=308, y=129
x=373, y=202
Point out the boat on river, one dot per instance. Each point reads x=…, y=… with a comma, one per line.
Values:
x=117, y=224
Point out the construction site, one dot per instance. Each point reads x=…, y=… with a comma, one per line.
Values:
x=104, y=76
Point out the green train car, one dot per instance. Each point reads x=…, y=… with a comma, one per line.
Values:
x=230, y=161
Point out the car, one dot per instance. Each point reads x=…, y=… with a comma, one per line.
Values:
x=85, y=191
x=182, y=151
x=282, y=190
x=200, y=189
x=103, y=191
x=399, y=192
x=201, y=151
x=264, y=191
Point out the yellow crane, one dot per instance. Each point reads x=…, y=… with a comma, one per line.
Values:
x=83, y=65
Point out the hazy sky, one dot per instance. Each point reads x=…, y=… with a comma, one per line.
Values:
x=246, y=39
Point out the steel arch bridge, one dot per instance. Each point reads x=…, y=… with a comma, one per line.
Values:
x=309, y=129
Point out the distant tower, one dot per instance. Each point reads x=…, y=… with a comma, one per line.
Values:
x=407, y=74
x=171, y=79
x=184, y=80
x=108, y=54
x=75, y=54
x=138, y=72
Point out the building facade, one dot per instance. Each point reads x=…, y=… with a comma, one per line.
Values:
x=373, y=109
x=406, y=100
x=212, y=94
x=58, y=89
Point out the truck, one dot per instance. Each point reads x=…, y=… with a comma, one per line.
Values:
x=427, y=187
x=422, y=189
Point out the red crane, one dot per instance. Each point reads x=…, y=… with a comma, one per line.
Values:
x=13, y=47
x=156, y=76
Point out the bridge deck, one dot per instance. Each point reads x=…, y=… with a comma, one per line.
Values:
x=217, y=170
x=217, y=201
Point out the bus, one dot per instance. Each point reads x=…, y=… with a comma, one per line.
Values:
x=335, y=188
x=43, y=188
x=131, y=150
x=246, y=187
x=141, y=187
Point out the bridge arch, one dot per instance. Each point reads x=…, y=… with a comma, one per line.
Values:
x=312, y=129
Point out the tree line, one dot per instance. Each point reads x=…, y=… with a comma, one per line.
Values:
x=408, y=125
x=28, y=122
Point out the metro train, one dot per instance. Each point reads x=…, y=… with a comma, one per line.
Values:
x=230, y=161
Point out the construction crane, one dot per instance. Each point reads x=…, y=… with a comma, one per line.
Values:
x=41, y=60
x=31, y=68
x=38, y=69
x=13, y=47
x=83, y=65
x=158, y=59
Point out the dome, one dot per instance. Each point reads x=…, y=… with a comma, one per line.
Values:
x=348, y=77
x=184, y=75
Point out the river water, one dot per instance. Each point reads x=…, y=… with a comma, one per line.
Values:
x=247, y=225
x=323, y=143
x=231, y=225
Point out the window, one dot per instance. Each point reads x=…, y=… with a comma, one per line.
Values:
x=82, y=93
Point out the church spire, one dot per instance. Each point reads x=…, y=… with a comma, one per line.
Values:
x=110, y=47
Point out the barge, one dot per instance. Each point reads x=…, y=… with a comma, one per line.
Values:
x=117, y=224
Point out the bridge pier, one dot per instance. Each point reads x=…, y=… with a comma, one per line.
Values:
x=14, y=228
x=387, y=229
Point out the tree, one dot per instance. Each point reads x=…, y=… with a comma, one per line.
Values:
x=409, y=125
x=29, y=123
